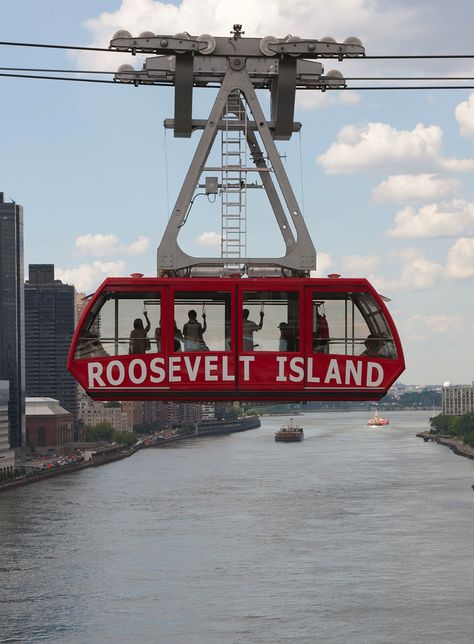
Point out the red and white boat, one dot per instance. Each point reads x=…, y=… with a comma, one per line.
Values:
x=377, y=421
x=289, y=433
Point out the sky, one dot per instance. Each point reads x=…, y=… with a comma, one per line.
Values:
x=384, y=178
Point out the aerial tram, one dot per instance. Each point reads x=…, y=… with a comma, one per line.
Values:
x=232, y=327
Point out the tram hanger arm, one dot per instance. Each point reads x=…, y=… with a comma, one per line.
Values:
x=301, y=255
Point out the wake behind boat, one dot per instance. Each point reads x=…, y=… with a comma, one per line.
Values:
x=289, y=433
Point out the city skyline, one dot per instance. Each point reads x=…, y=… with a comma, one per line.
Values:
x=383, y=177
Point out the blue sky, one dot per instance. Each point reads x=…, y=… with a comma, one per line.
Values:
x=385, y=177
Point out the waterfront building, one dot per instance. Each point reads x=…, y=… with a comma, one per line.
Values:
x=49, y=326
x=48, y=425
x=12, y=333
x=91, y=413
x=458, y=399
x=7, y=455
x=208, y=411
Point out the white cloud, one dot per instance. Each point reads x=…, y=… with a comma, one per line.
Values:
x=138, y=247
x=323, y=263
x=100, y=245
x=434, y=220
x=360, y=265
x=465, y=116
x=460, y=263
x=421, y=328
x=415, y=273
x=413, y=187
x=311, y=99
x=87, y=277
x=381, y=147
x=307, y=18
x=209, y=240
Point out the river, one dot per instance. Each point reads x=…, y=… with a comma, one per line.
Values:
x=356, y=535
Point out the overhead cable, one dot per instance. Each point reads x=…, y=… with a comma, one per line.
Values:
x=375, y=57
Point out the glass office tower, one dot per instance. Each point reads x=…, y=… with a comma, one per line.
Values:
x=49, y=326
x=12, y=337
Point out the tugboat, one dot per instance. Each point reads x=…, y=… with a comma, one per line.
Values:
x=289, y=433
x=377, y=421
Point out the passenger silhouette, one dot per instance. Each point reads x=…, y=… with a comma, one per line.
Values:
x=193, y=333
x=139, y=343
x=248, y=329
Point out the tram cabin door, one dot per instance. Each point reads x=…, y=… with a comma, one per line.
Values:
x=202, y=354
x=270, y=342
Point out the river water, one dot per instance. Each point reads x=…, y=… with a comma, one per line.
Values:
x=355, y=535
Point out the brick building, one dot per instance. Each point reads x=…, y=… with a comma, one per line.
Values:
x=48, y=425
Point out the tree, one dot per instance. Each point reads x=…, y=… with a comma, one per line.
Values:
x=124, y=438
x=101, y=432
x=466, y=424
x=440, y=424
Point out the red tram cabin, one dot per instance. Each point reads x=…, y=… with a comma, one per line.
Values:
x=251, y=339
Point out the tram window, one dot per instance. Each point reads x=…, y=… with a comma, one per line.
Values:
x=279, y=330
x=350, y=324
x=210, y=327
x=109, y=328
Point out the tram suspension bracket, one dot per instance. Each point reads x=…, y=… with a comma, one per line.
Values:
x=238, y=67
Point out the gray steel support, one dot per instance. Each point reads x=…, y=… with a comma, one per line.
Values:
x=283, y=99
x=301, y=256
x=183, y=95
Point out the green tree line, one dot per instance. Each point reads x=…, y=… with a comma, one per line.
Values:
x=106, y=432
x=459, y=426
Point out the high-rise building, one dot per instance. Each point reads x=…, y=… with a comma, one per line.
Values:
x=12, y=338
x=7, y=455
x=458, y=399
x=49, y=326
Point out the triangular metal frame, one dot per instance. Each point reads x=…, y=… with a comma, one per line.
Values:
x=300, y=255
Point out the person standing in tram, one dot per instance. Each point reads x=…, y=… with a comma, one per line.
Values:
x=287, y=338
x=321, y=335
x=248, y=329
x=158, y=339
x=139, y=343
x=178, y=338
x=193, y=333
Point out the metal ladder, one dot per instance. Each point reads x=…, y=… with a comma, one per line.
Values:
x=234, y=180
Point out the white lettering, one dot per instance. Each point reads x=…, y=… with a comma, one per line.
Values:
x=94, y=372
x=246, y=360
x=297, y=365
x=371, y=381
x=137, y=380
x=110, y=374
x=281, y=368
x=333, y=372
x=226, y=376
x=210, y=365
x=155, y=368
x=310, y=372
x=192, y=371
x=174, y=366
x=354, y=371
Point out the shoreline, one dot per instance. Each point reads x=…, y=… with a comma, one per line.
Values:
x=454, y=444
x=104, y=458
